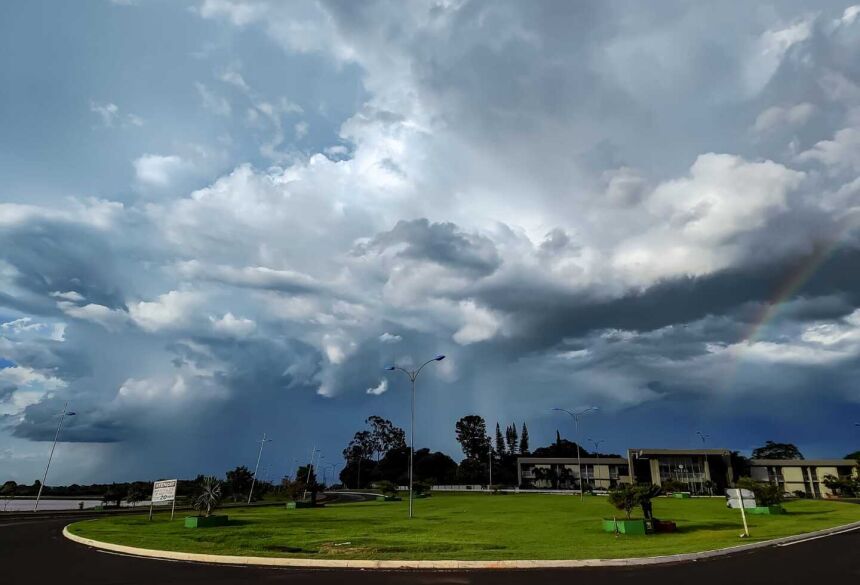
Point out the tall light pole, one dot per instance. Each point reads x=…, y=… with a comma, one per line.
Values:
x=413, y=374
x=576, y=414
x=263, y=441
x=63, y=415
x=596, y=445
x=490, y=457
x=310, y=470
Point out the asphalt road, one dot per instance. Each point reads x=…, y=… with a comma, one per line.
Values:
x=36, y=553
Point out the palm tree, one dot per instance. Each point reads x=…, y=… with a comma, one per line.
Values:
x=209, y=497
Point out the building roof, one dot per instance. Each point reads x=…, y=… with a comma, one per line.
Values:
x=804, y=463
x=640, y=452
x=572, y=460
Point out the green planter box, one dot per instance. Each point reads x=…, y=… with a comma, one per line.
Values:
x=634, y=526
x=387, y=499
x=681, y=495
x=766, y=510
x=201, y=522
x=294, y=505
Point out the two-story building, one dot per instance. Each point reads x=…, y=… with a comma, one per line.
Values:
x=564, y=473
x=802, y=475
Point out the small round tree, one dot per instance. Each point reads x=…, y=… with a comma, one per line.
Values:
x=625, y=497
x=209, y=496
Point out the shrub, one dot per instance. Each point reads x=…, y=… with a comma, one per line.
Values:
x=420, y=488
x=625, y=497
x=386, y=487
x=673, y=485
x=209, y=496
x=766, y=494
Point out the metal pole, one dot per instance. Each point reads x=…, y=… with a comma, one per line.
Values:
x=412, y=441
x=578, y=459
x=490, y=486
x=310, y=468
x=173, y=506
x=256, y=467
x=51, y=456
x=743, y=512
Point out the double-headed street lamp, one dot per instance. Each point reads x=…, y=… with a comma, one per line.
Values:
x=63, y=415
x=703, y=436
x=263, y=441
x=413, y=374
x=576, y=414
x=596, y=445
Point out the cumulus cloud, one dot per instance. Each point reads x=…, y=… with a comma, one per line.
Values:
x=380, y=388
x=579, y=203
x=158, y=170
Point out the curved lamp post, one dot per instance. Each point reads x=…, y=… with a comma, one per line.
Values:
x=596, y=445
x=576, y=414
x=703, y=436
x=413, y=374
x=63, y=415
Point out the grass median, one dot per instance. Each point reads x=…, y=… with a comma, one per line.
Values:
x=465, y=527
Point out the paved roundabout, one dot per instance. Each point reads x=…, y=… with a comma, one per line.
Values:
x=33, y=552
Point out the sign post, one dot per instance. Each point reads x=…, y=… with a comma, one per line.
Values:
x=740, y=498
x=163, y=491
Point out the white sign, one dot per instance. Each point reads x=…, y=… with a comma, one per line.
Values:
x=733, y=498
x=163, y=491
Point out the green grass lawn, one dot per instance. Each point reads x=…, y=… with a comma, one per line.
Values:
x=465, y=527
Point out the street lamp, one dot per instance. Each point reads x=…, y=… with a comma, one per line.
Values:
x=596, y=445
x=63, y=415
x=413, y=374
x=703, y=436
x=263, y=441
x=576, y=414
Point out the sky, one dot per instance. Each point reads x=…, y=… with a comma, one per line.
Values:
x=222, y=218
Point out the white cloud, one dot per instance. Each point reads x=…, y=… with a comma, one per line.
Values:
x=158, y=170
x=479, y=324
x=233, y=326
x=843, y=152
x=71, y=295
x=380, y=388
x=781, y=117
x=390, y=338
x=170, y=310
x=111, y=116
x=300, y=130
x=110, y=319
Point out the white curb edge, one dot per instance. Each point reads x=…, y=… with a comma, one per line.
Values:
x=442, y=564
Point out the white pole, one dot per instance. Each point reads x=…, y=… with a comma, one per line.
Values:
x=256, y=467
x=310, y=468
x=743, y=512
x=490, y=487
x=578, y=459
x=411, y=443
x=51, y=456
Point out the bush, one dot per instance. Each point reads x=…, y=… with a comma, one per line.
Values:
x=673, y=485
x=625, y=497
x=799, y=493
x=386, y=487
x=766, y=494
x=209, y=496
x=420, y=488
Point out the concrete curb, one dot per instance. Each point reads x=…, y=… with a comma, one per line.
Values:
x=443, y=564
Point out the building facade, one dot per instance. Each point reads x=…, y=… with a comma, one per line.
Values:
x=802, y=475
x=564, y=473
x=700, y=471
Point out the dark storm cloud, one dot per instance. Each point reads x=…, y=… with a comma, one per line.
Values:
x=442, y=243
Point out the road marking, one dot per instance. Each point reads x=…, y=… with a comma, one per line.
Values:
x=819, y=536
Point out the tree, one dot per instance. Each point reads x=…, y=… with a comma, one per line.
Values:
x=848, y=487
x=472, y=436
x=434, y=468
x=625, y=497
x=305, y=481
x=512, y=439
x=8, y=491
x=134, y=494
x=500, y=442
x=113, y=494
x=855, y=455
x=239, y=482
x=772, y=450
x=356, y=455
x=209, y=496
x=524, y=440
x=385, y=436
